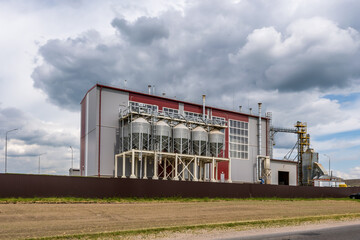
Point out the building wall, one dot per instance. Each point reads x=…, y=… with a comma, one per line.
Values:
x=88, y=142
x=111, y=102
x=284, y=166
x=245, y=170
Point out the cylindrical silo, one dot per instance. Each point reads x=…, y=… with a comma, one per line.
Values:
x=181, y=135
x=140, y=130
x=216, y=140
x=162, y=136
x=199, y=138
x=308, y=159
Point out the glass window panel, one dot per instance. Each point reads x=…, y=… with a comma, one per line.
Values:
x=239, y=139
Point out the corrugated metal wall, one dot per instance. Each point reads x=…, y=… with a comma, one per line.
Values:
x=19, y=185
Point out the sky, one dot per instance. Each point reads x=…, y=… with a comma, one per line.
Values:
x=301, y=59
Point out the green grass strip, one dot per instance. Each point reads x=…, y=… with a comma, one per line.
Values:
x=241, y=225
x=62, y=200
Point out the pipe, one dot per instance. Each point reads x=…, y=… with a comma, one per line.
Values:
x=203, y=98
x=259, y=170
x=259, y=129
x=250, y=110
x=240, y=108
x=149, y=89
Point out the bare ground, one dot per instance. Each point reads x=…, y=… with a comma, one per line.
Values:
x=40, y=220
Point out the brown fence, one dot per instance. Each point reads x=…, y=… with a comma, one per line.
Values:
x=21, y=185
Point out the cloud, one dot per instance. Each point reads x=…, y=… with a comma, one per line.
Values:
x=143, y=31
x=233, y=54
x=311, y=53
x=352, y=174
x=33, y=134
x=72, y=66
x=33, y=138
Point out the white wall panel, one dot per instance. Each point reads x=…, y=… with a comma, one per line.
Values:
x=277, y=166
x=92, y=164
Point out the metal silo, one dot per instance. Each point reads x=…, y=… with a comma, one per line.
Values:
x=140, y=134
x=309, y=157
x=199, y=138
x=162, y=137
x=181, y=135
x=216, y=140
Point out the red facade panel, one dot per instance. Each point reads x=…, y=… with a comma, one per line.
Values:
x=153, y=100
x=223, y=168
x=192, y=108
x=230, y=115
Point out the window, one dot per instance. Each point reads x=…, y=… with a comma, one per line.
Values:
x=218, y=120
x=193, y=116
x=142, y=107
x=171, y=112
x=239, y=139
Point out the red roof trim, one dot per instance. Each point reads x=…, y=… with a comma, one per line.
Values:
x=88, y=92
x=169, y=99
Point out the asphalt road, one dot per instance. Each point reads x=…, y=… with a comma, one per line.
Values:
x=351, y=232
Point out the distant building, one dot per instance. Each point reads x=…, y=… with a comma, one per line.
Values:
x=74, y=172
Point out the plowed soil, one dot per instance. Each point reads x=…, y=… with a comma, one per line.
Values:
x=24, y=220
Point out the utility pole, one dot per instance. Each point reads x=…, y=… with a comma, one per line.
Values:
x=72, y=157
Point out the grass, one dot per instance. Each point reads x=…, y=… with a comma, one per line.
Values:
x=241, y=225
x=62, y=200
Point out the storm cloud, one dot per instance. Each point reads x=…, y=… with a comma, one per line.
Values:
x=213, y=47
x=143, y=31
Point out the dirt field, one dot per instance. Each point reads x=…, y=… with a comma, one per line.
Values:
x=39, y=220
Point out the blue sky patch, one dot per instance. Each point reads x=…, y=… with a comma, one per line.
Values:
x=343, y=98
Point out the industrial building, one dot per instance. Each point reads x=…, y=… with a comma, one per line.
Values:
x=131, y=134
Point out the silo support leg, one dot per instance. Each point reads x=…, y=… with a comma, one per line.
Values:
x=155, y=177
x=132, y=164
x=145, y=167
x=176, y=178
x=201, y=171
x=213, y=170
x=195, y=169
x=123, y=165
x=165, y=172
x=116, y=167
x=217, y=171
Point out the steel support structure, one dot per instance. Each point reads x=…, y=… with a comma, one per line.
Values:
x=174, y=166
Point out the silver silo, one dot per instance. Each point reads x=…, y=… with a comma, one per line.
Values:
x=181, y=135
x=199, y=138
x=216, y=140
x=309, y=157
x=162, y=137
x=140, y=130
